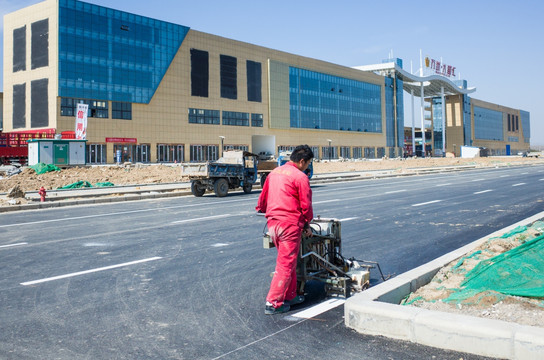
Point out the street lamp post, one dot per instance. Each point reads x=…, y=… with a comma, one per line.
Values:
x=221, y=152
x=330, y=149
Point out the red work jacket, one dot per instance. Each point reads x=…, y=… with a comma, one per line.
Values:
x=287, y=196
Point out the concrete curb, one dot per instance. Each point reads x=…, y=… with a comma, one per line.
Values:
x=375, y=312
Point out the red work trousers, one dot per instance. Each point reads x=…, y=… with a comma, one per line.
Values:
x=286, y=238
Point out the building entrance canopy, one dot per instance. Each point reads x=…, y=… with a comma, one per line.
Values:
x=432, y=84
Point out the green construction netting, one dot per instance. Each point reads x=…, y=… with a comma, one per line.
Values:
x=42, y=168
x=77, y=185
x=85, y=184
x=104, y=184
x=518, y=272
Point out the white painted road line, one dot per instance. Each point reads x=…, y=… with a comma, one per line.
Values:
x=317, y=309
x=478, y=180
x=427, y=203
x=325, y=201
x=348, y=219
x=13, y=245
x=481, y=192
x=89, y=271
x=540, y=179
x=504, y=176
x=448, y=184
x=395, y=191
x=201, y=219
x=518, y=184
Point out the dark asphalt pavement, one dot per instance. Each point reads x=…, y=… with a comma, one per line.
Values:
x=185, y=278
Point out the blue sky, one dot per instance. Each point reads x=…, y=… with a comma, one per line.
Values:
x=495, y=45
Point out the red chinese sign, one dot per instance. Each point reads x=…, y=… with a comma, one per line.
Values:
x=438, y=67
x=121, y=140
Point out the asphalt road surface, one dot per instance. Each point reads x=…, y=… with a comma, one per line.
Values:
x=186, y=278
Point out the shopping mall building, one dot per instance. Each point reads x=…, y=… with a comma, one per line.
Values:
x=161, y=92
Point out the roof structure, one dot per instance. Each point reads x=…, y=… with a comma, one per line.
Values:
x=432, y=84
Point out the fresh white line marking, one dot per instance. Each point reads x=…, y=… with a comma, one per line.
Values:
x=518, y=184
x=89, y=271
x=12, y=245
x=478, y=180
x=540, y=179
x=395, y=191
x=481, y=192
x=524, y=173
x=448, y=184
x=504, y=176
x=200, y=219
x=325, y=201
x=427, y=203
x=116, y=213
x=220, y=245
x=348, y=219
x=318, y=309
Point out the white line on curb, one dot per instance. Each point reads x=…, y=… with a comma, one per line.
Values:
x=427, y=203
x=89, y=271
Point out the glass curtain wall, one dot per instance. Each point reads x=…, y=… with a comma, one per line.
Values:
x=322, y=101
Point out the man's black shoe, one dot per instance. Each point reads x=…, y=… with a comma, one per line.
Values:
x=270, y=310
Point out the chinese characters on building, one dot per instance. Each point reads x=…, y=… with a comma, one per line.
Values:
x=438, y=67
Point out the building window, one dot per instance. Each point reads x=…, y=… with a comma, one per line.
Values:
x=329, y=152
x=380, y=152
x=19, y=106
x=204, y=152
x=509, y=123
x=97, y=108
x=19, y=49
x=253, y=81
x=200, y=73
x=358, y=152
x=96, y=153
x=235, y=118
x=257, y=120
x=203, y=116
x=235, y=147
x=121, y=110
x=517, y=123
x=488, y=124
x=345, y=152
x=370, y=153
x=170, y=153
x=229, y=86
x=39, y=113
x=39, y=51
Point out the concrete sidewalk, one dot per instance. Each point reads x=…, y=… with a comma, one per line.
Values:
x=376, y=312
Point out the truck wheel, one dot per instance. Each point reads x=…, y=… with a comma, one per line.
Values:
x=221, y=187
x=197, y=189
x=263, y=179
x=247, y=188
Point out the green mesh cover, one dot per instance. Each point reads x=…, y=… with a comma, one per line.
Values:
x=76, y=185
x=519, y=271
x=42, y=168
x=104, y=184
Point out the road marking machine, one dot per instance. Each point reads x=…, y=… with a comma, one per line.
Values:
x=320, y=259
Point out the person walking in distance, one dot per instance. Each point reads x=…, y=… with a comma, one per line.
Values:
x=286, y=200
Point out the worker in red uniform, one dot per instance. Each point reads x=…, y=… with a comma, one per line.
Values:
x=286, y=199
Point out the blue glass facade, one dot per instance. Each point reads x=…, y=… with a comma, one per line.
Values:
x=108, y=54
x=389, y=111
x=488, y=124
x=322, y=101
x=525, y=125
x=437, y=123
x=400, y=110
x=467, y=121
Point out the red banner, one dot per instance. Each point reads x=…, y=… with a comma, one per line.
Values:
x=122, y=140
